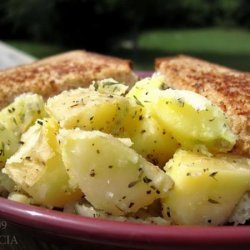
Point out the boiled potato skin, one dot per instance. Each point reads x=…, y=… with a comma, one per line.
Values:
x=206, y=188
x=113, y=177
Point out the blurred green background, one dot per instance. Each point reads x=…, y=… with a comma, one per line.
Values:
x=215, y=30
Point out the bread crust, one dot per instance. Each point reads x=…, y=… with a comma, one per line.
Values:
x=228, y=88
x=54, y=74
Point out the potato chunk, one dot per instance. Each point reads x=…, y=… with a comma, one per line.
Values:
x=37, y=167
x=15, y=119
x=113, y=177
x=143, y=87
x=206, y=189
x=149, y=137
x=191, y=118
x=116, y=115
x=86, y=109
x=9, y=143
x=194, y=121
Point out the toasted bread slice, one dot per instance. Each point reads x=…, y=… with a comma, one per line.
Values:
x=57, y=73
x=229, y=89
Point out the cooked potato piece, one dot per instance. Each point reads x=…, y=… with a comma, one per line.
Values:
x=191, y=118
x=142, y=88
x=9, y=143
x=37, y=167
x=86, y=109
x=19, y=197
x=149, y=137
x=117, y=115
x=113, y=177
x=15, y=119
x=206, y=189
x=25, y=110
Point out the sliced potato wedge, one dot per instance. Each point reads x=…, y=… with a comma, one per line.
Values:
x=37, y=167
x=206, y=189
x=113, y=177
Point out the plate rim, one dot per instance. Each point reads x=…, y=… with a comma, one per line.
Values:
x=103, y=230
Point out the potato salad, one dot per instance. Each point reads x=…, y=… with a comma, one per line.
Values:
x=148, y=154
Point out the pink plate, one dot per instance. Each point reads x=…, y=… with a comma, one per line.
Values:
x=79, y=229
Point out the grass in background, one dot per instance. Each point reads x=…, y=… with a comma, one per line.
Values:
x=208, y=40
x=227, y=47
